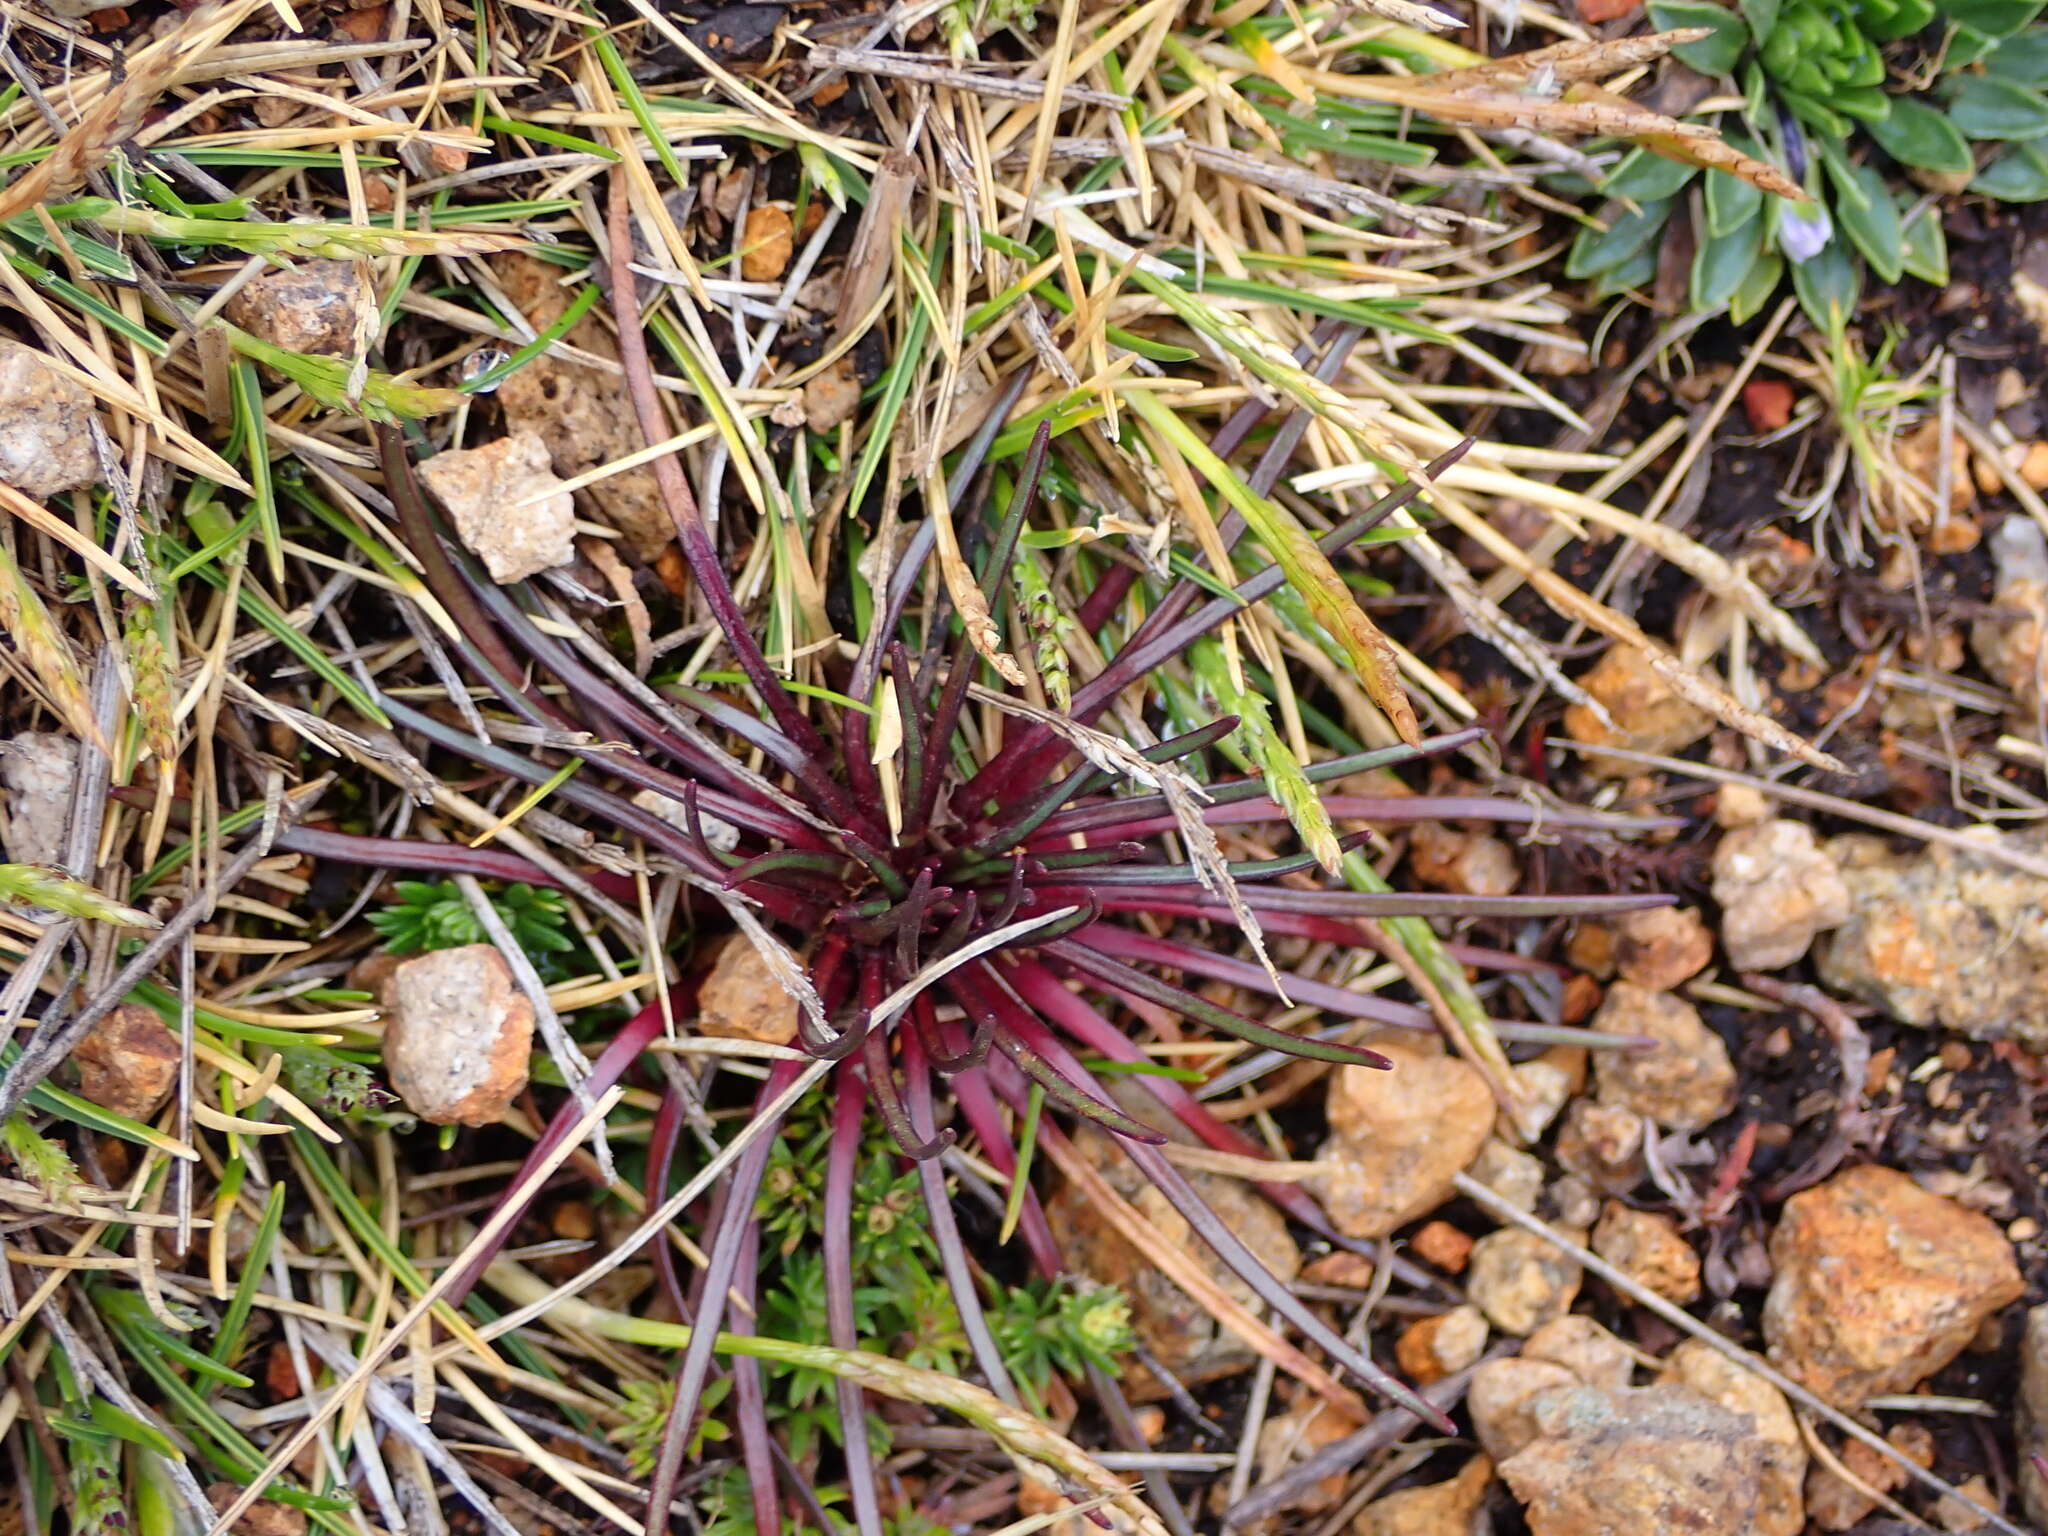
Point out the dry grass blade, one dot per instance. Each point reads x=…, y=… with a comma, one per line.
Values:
x=1568, y=63
x=114, y=118
x=41, y=645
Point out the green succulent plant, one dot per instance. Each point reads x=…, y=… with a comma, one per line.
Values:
x=1833, y=92
x=433, y=915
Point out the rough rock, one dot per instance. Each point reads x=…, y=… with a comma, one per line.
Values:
x=45, y=426
x=1953, y=1514
x=1835, y=1505
x=1584, y=1348
x=1501, y=1397
x=1541, y=1089
x=1646, y=1246
x=1781, y=1500
x=2010, y=645
x=1514, y=1175
x=1777, y=890
x=458, y=1035
x=37, y=769
x=766, y=243
x=1738, y=805
x=2030, y=1427
x=310, y=306
x=1647, y=715
x=1434, y=1509
x=1661, y=948
x=1603, y=1145
x=1441, y=1244
x=1685, y=1082
x=1294, y=1436
x=1399, y=1138
x=1469, y=863
x=1520, y=1281
x=1431, y=1348
x=1879, y=1284
x=1573, y=1202
x=832, y=396
x=1179, y=1331
x=1651, y=1461
x=129, y=1063
x=1946, y=936
x=581, y=412
x=1591, y=948
x=507, y=505
x=741, y=999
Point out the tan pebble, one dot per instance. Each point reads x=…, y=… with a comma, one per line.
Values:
x=766, y=244
x=1662, y=947
x=1520, y=1280
x=2034, y=467
x=38, y=770
x=312, y=307
x=742, y=1000
x=832, y=396
x=1648, y=715
x=129, y=1062
x=1646, y=1246
x=1685, y=1082
x=1399, y=1138
x=507, y=505
x=1585, y=1349
x=1432, y=1348
x=1879, y=1284
x=46, y=444
x=1433, y=1509
x=1952, y=1514
x=1650, y=1461
x=1441, y=1244
x=459, y=1035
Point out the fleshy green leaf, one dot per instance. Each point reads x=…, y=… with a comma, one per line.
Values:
x=1762, y=16
x=2020, y=175
x=1828, y=287
x=1636, y=272
x=1874, y=228
x=1714, y=55
x=1983, y=107
x=1887, y=24
x=1916, y=134
x=1764, y=276
x=1643, y=177
x=1865, y=102
x=1721, y=264
x=1966, y=46
x=1925, y=253
x=1994, y=18
x=1596, y=251
x=1731, y=201
x=2022, y=59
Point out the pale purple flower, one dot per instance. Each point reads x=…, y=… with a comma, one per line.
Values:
x=1804, y=230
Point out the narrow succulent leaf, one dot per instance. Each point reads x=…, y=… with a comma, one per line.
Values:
x=1118, y=977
